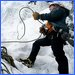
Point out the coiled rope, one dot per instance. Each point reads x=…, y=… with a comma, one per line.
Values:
x=24, y=30
x=9, y=59
x=4, y=56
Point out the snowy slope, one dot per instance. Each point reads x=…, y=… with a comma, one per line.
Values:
x=11, y=23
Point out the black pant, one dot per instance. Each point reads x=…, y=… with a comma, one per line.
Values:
x=57, y=47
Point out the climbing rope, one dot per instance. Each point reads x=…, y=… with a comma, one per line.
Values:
x=8, y=58
x=4, y=54
x=6, y=69
x=23, y=21
x=23, y=30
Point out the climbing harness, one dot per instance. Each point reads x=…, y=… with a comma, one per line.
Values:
x=23, y=30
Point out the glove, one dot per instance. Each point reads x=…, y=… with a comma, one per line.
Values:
x=35, y=15
x=42, y=30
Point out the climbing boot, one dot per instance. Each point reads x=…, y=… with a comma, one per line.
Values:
x=27, y=62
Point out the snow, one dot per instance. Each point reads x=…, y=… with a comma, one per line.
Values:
x=11, y=23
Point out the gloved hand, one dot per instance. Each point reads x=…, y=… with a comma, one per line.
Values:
x=42, y=30
x=35, y=15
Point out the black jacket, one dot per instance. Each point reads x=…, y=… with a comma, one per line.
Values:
x=57, y=17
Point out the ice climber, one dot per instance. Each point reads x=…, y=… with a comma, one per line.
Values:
x=56, y=33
